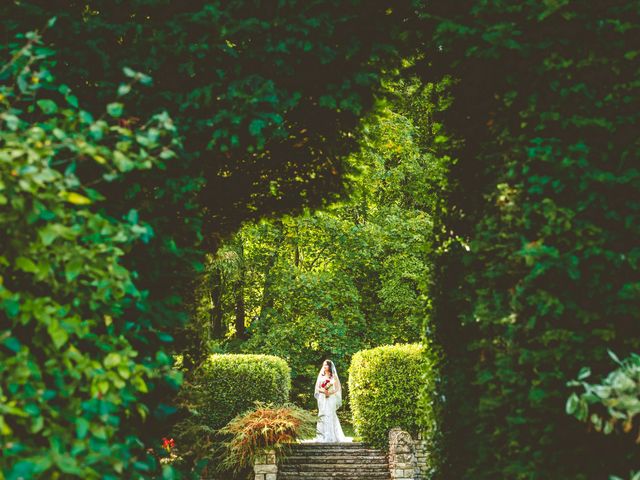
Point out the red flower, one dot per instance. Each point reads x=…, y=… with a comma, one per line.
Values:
x=325, y=384
x=168, y=444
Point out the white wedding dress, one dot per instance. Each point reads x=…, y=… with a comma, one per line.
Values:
x=328, y=426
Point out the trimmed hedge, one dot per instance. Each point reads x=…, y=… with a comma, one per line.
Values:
x=228, y=385
x=385, y=384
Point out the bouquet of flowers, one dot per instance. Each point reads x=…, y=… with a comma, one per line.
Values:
x=326, y=385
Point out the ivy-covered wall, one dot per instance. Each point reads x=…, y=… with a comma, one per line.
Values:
x=538, y=274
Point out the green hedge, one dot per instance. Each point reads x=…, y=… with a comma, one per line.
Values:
x=384, y=384
x=545, y=196
x=230, y=384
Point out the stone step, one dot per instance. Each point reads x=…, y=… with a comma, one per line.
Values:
x=333, y=476
x=334, y=449
x=336, y=459
x=348, y=465
x=330, y=444
x=320, y=446
x=314, y=467
x=362, y=454
x=295, y=476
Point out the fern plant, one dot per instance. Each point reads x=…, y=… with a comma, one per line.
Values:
x=264, y=427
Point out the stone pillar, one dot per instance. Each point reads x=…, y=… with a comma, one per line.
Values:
x=402, y=456
x=265, y=467
x=407, y=457
x=421, y=458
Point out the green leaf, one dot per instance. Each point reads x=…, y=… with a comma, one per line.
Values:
x=73, y=268
x=68, y=464
x=168, y=473
x=572, y=404
x=115, y=109
x=123, y=89
x=129, y=72
x=77, y=199
x=58, y=334
x=26, y=265
x=86, y=117
x=12, y=121
x=11, y=306
x=123, y=162
x=72, y=100
x=132, y=216
x=47, y=106
x=614, y=357
x=12, y=343
x=112, y=359
x=82, y=427
x=584, y=373
x=256, y=126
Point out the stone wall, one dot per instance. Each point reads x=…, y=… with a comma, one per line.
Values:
x=265, y=467
x=407, y=456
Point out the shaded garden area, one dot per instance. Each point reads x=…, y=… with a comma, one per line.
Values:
x=186, y=183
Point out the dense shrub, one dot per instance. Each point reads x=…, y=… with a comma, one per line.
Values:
x=385, y=383
x=224, y=386
x=227, y=385
x=538, y=273
x=77, y=374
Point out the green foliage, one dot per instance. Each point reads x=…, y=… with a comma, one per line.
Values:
x=222, y=387
x=537, y=272
x=315, y=315
x=266, y=97
x=385, y=383
x=75, y=384
x=632, y=476
x=265, y=93
x=618, y=393
x=226, y=385
x=328, y=283
x=265, y=427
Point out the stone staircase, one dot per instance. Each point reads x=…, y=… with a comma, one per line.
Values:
x=334, y=461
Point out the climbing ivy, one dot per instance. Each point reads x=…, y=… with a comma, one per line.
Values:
x=265, y=93
x=73, y=382
x=538, y=271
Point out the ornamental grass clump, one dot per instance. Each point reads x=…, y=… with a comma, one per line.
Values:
x=264, y=427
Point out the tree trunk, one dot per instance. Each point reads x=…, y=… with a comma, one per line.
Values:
x=241, y=331
x=267, y=295
x=215, y=314
x=296, y=259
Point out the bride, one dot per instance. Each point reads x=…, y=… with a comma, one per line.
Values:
x=328, y=392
